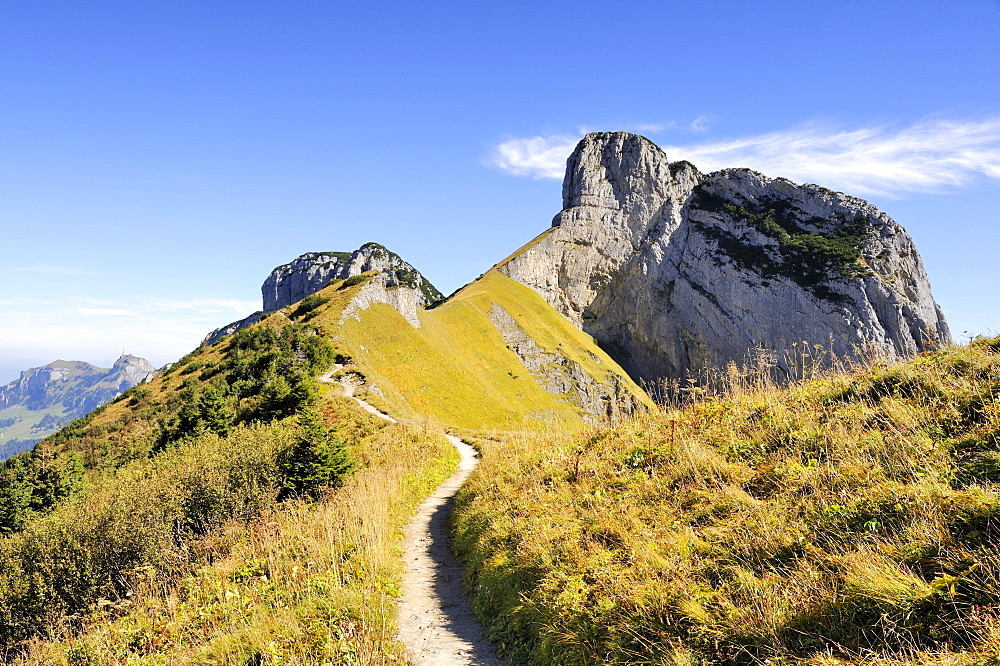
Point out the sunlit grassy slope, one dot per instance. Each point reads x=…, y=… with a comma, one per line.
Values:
x=159, y=533
x=293, y=583
x=456, y=368
x=851, y=519
x=156, y=530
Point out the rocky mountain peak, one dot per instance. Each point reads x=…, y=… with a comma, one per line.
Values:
x=44, y=399
x=397, y=283
x=618, y=170
x=133, y=369
x=677, y=271
x=310, y=272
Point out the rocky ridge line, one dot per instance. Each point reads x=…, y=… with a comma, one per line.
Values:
x=307, y=274
x=560, y=375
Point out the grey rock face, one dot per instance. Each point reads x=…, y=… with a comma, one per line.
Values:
x=311, y=272
x=398, y=284
x=674, y=271
x=229, y=329
x=131, y=370
x=384, y=288
x=560, y=375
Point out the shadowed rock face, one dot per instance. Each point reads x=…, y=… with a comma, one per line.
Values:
x=675, y=271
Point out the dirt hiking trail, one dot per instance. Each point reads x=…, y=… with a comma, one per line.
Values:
x=436, y=622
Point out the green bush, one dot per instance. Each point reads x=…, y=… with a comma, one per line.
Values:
x=265, y=375
x=353, y=280
x=316, y=460
x=145, y=514
x=308, y=304
x=34, y=482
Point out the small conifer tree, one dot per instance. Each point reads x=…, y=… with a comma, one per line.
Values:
x=316, y=460
x=216, y=412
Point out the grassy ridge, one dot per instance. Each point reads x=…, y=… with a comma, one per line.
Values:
x=456, y=368
x=154, y=531
x=167, y=540
x=848, y=519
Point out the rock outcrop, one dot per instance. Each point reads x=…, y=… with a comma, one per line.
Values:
x=384, y=288
x=55, y=394
x=558, y=374
x=396, y=283
x=229, y=329
x=674, y=271
x=312, y=271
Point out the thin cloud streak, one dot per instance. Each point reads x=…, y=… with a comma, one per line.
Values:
x=536, y=157
x=931, y=155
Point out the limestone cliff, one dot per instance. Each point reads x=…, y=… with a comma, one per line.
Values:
x=558, y=374
x=384, y=288
x=674, y=271
x=396, y=283
x=311, y=272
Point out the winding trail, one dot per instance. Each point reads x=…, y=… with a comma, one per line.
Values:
x=436, y=622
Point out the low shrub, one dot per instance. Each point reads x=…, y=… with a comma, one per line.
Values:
x=354, y=280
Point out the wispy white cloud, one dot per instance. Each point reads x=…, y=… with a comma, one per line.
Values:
x=651, y=128
x=203, y=305
x=107, y=312
x=535, y=157
x=700, y=124
x=930, y=155
x=696, y=126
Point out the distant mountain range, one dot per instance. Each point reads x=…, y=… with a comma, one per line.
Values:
x=45, y=399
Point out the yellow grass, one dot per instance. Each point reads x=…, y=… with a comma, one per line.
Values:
x=456, y=368
x=855, y=518
x=303, y=584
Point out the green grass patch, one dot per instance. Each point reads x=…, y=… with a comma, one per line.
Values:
x=456, y=368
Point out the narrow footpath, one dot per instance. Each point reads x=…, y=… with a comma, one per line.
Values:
x=436, y=622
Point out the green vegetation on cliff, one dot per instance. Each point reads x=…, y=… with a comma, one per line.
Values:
x=799, y=249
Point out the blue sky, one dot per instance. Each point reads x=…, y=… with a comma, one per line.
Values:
x=158, y=159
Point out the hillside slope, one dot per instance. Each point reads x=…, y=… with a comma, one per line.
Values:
x=210, y=516
x=493, y=356
x=852, y=519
